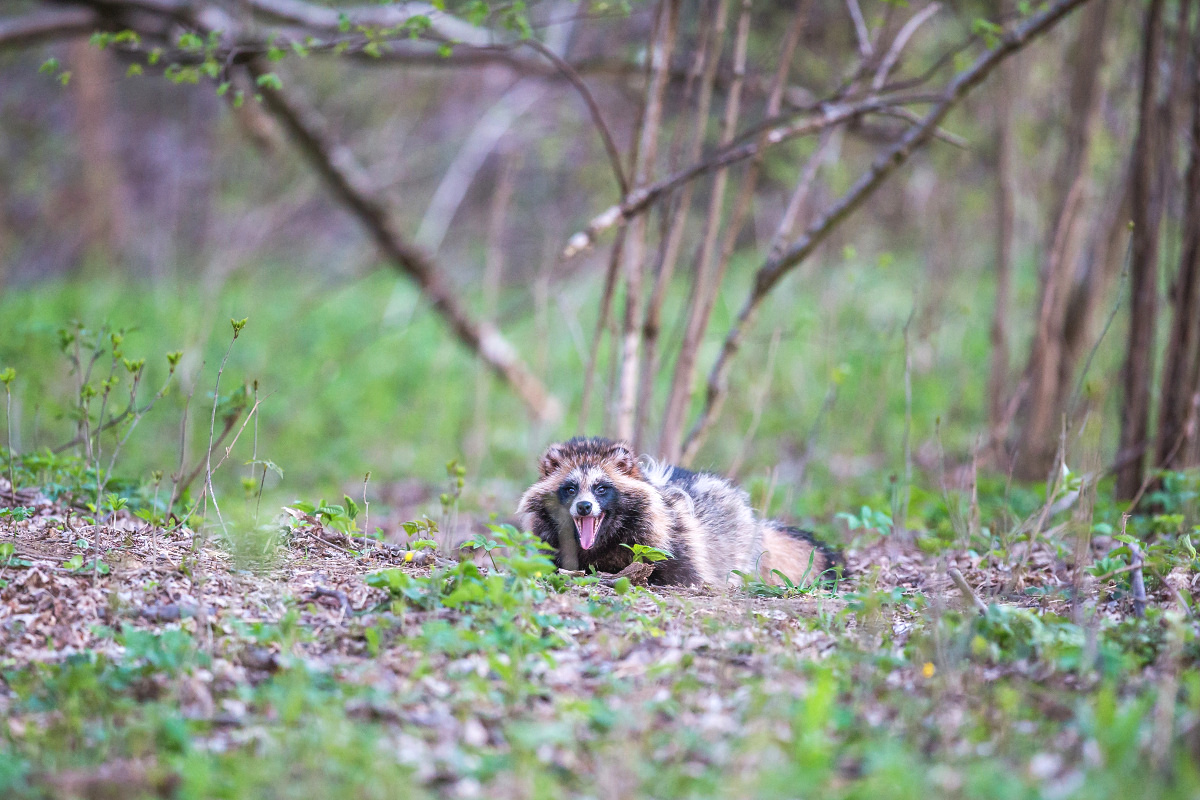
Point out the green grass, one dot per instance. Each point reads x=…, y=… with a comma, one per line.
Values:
x=361, y=376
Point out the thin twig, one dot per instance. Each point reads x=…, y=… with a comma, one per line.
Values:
x=1136, y=581
x=893, y=54
x=860, y=29
x=800, y=194
x=966, y=590
x=610, y=146
x=324, y=591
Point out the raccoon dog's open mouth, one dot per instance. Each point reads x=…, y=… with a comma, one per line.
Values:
x=588, y=527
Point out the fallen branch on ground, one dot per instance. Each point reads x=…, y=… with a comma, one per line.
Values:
x=966, y=590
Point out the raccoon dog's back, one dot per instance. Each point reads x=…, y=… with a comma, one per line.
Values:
x=592, y=497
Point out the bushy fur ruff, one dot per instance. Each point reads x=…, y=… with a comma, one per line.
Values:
x=592, y=496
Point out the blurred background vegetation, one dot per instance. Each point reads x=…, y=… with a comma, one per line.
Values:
x=165, y=207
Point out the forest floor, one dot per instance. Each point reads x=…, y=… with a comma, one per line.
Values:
x=330, y=663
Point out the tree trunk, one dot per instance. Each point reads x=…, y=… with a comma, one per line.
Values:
x=1181, y=370
x=998, y=379
x=1049, y=370
x=1143, y=268
x=635, y=243
x=104, y=193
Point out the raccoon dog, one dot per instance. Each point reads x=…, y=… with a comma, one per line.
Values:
x=593, y=496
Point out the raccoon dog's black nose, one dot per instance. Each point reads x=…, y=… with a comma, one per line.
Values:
x=583, y=508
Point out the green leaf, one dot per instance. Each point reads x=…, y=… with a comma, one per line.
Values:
x=266, y=464
x=270, y=81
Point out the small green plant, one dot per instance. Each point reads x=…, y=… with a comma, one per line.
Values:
x=8, y=558
x=867, y=519
x=456, y=476
x=644, y=554
x=754, y=585
x=339, y=517
x=76, y=564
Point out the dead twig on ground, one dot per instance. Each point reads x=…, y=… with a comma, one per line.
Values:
x=1137, y=580
x=324, y=591
x=967, y=592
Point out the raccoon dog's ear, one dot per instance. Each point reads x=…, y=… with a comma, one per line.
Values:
x=551, y=460
x=621, y=456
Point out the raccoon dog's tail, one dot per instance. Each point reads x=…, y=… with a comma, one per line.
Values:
x=799, y=555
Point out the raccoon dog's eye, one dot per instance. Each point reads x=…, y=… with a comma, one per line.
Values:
x=569, y=491
x=601, y=491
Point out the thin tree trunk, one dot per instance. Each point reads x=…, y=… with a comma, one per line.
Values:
x=998, y=379
x=684, y=385
x=635, y=243
x=1048, y=370
x=1139, y=356
x=493, y=275
x=704, y=67
x=611, y=274
x=707, y=266
x=104, y=224
x=1181, y=369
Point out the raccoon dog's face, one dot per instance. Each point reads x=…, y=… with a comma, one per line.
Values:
x=587, y=485
x=588, y=495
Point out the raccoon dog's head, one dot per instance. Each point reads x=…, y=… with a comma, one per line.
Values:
x=586, y=486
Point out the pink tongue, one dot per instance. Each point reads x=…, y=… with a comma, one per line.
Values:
x=587, y=531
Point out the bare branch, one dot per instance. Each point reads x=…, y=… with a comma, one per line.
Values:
x=967, y=592
x=860, y=30
x=610, y=147
x=640, y=199
x=40, y=26
x=482, y=141
x=345, y=177
x=803, y=188
x=940, y=134
x=319, y=18
x=341, y=170
x=893, y=54
x=892, y=159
